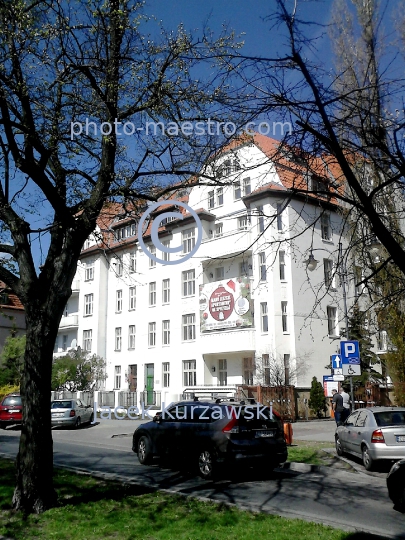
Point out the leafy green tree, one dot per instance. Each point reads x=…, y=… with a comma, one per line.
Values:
x=12, y=360
x=78, y=371
x=317, y=399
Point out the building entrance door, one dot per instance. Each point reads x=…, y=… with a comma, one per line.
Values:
x=150, y=375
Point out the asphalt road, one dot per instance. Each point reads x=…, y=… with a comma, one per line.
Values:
x=346, y=500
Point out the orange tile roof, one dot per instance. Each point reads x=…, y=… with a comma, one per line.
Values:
x=13, y=301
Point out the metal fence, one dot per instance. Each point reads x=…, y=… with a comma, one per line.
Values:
x=64, y=394
x=106, y=399
x=127, y=399
x=88, y=398
x=150, y=398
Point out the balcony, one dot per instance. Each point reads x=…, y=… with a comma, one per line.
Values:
x=228, y=341
x=70, y=321
x=75, y=287
x=236, y=241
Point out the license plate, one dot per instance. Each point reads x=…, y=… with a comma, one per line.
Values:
x=14, y=411
x=57, y=414
x=264, y=433
x=400, y=438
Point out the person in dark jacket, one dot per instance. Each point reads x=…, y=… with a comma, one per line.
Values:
x=337, y=406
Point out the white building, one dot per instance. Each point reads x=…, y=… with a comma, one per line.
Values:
x=241, y=304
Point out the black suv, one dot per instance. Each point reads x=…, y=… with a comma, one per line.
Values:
x=210, y=433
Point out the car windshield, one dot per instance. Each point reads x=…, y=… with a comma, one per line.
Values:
x=61, y=405
x=390, y=418
x=12, y=400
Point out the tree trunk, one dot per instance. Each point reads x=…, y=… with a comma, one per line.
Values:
x=34, y=492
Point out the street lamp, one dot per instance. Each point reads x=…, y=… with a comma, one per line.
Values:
x=311, y=262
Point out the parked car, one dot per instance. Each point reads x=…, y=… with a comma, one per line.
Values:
x=70, y=412
x=396, y=484
x=10, y=410
x=210, y=433
x=375, y=433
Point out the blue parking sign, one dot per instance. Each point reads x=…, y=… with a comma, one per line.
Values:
x=350, y=353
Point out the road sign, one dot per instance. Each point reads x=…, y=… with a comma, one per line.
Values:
x=328, y=385
x=350, y=353
x=338, y=371
x=338, y=378
x=351, y=369
x=336, y=361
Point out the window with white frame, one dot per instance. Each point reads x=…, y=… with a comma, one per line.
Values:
x=87, y=243
x=211, y=199
x=219, y=273
x=382, y=340
x=166, y=332
x=220, y=196
x=118, y=266
x=117, y=377
x=262, y=266
x=266, y=369
x=152, y=334
x=237, y=192
x=118, y=301
x=188, y=325
x=243, y=268
x=264, y=317
x=166, y=291
x=188, y=240
x=152, y=293
x=188, y=278
x=260, y=219
x=326, y=231
x=132, y=298
x=87, y=340
x=281, y=264
x=248, y=370
x=88, y=304
x=189, y=373
x=132, y=262
x=332, y=321
x=152, y=251
x=131, y=336
x=166, y=254
x=286, y=369
x=89, y=272
x=328, y=273
x=166, y=374
x=219, y=231
x=243, y=223
x=280, y=225
x=222, y=372
x=118, y=338
x=246, y=186
x=64, y=343
x=284, y=319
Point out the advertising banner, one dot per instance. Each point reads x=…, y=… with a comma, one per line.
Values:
x=226, y=304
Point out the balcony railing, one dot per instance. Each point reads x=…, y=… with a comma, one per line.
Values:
x=71, y=321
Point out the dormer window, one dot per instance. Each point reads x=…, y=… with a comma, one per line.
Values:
x=319, y=186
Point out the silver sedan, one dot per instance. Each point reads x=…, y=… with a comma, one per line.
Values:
x=375, y=433
x=70, y=412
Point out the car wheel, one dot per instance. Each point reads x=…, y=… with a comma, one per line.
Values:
x=91, y=418
x=206, y=463
x=339, y=449
x=144, y=451
x=368, y=461
x=78, y=422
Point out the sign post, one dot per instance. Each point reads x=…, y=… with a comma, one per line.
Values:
x=350, y=354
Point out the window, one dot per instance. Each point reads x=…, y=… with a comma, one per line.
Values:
x=280, y=209
x=248, y=370
x=266, y=369
x=264, y=317
x=237, y=192
x=117, y=377
x=152, y=293
x=87, y=243
x=281, y=263
x=118, y=301
x=382, y=340
x=188, y=237
x=326, y=232
x=87, y=339
x=189, y=373
x=319, y=186
x=152, y=251
x=118, y=267
x=284, y=316
x=132, y=298
x=166, y=374
x=88, y=304
x=152, y=334
x=166, y=332
x=118, y=339
x=64, y=343
x=132, y=262
x=165, y=291
x=166, y=254
x=262, y=266
x=89, y=272
x=131, y=336
x=188, y=282
x=358, y=277
x=332, y=321
x=220, y=196
x=260, y=219
x=211, y=199
x=132, y=377
x=242, y=223
x=222, y=372
x=188, y=327
x=219, y=273
x=246, y=186
x=243, y=268
x=286, y=369
x=66, y=310
x=328, y=273
x=218, y=230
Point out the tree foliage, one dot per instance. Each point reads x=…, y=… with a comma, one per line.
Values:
x=11, y=360
x=78, y=371
x=317, y=399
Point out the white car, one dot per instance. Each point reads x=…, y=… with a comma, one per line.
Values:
x=70, y=412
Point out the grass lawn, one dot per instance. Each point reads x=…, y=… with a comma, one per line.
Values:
x=312, y=452
x=92, y=509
